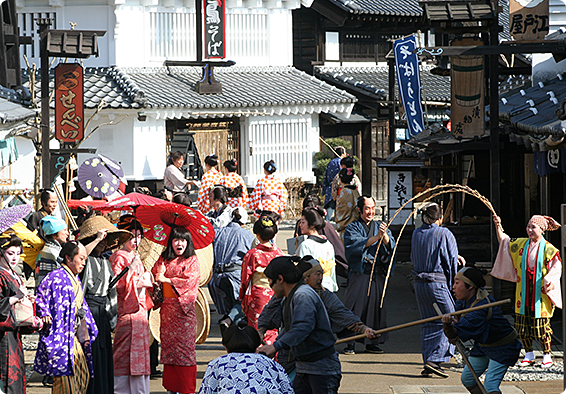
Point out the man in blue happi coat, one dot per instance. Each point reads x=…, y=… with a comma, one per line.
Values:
x=361, y=239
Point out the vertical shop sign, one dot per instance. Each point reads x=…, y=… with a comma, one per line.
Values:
x=215, y=29
x=409, y=81
x=400, y=191
x=69, y=103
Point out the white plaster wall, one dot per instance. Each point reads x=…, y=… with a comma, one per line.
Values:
x=291, y=141
x=23, y=170
x=149, y=148
x=131, y=36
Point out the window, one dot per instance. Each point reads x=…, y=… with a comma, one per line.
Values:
x=332, y=47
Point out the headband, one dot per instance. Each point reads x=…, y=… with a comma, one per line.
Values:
x=545, y=222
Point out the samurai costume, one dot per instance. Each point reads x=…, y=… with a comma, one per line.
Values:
x=360, y=260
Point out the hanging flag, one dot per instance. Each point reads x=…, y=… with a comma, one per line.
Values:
x=215, y=29
x=528, y=19
x=409, y=81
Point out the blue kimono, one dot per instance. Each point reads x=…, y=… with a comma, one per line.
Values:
x=231, y=243
x=360, y=261
x=434, y=254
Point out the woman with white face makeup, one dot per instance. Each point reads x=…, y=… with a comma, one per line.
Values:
x=12, y=290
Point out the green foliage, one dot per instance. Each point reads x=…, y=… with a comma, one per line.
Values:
x=323, y=157
x=334, y=142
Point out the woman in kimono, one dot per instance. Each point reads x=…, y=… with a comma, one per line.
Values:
x=270, y=194
x=317, y=246
x=179, y=272
x=535, y=265
x=210, y=178
x=174, y=178
x=237, y=189
x=64, y=347
x=255, y=292
x=131, y=341
x=12, y=290
x=346, y=211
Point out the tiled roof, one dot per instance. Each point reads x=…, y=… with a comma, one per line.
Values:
x=382, y=7
x=173, y=88
x=11, y=112
x=457, y=10
x=375, y=81
x=531, y=113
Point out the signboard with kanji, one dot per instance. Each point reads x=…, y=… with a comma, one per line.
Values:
x=400, y=191
x=69, y=102
x=528, y=19
x=214, y=29
x=409, y=81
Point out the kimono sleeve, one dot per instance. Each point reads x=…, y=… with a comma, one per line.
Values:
x=209, y=383
x=248, y=268
x=503, y=267
x=126, y=286
x=186, y=284
x=6, y=293
x=43, y=298
x=255, y=197
x=355, y=244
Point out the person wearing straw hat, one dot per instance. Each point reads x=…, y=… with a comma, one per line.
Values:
x=496, y=346
x=56, y=233
x=99, y=236
x=434, y=254
x=132, y=367
x=535, y=265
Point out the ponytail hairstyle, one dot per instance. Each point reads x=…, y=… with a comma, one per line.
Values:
x=431, y=212
x=265, y=227
x=270, y=166
x=211, y=160
x=231, y=165
x=314, y=217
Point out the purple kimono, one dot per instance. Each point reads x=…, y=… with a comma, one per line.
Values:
x=56, y=298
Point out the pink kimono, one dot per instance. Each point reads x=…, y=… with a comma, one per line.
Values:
x=131, y=342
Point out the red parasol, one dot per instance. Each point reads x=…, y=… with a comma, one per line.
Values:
x=158, y=221
x=131, y=201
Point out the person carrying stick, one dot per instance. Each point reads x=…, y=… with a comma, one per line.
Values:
x=496, y=343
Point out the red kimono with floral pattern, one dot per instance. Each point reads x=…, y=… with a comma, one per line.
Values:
x=131, y=341
x=178, y=316
x=255, y=292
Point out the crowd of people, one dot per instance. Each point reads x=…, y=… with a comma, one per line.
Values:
x=93, y=294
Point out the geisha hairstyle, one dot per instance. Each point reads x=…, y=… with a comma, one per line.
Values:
x=241, y=338
x=211, y=160
x=270, y=166
x=179, y=233
x=231, y=165
x=265, y=227
x=219, y=193
x=346, y=175
x=314, y=217
x=9, y=240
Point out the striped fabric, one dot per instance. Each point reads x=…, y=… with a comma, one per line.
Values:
x=78, y=382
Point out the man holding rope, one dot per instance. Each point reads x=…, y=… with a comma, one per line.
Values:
x=361, y=239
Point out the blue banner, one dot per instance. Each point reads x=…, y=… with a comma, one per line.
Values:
x=409, y=81
x=550, y=161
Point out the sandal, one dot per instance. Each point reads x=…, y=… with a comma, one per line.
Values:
x=547, y=364
x=436, y=369
x=526, y=362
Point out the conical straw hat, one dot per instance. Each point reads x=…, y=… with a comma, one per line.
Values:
x=91, y=226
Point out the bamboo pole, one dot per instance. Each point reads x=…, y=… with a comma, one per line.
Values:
x=462, y=351
x=423, y=321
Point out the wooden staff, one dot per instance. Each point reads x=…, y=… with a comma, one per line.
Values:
x=423, y=321
x=462, y=351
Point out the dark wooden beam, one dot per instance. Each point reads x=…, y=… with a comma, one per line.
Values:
x=505, y=48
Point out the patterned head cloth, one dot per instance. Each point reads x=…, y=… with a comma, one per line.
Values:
x=546, y=223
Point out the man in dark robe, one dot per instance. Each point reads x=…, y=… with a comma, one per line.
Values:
x=361, y=239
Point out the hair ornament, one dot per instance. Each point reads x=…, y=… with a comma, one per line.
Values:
x=266, y=222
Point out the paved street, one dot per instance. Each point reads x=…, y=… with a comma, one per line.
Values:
x=397, y=371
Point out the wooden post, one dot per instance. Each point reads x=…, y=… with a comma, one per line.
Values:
x=44, y=24
x=494, y=156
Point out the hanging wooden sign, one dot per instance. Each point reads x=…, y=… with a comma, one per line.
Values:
x=528, y=19
x=467, y=74
x=214, y=29
x=69, y=98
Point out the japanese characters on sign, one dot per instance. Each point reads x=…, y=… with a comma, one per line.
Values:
x=528, y=19
x=69, y=102
x=400, y=191
x=215, y=29
x=409, y=81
